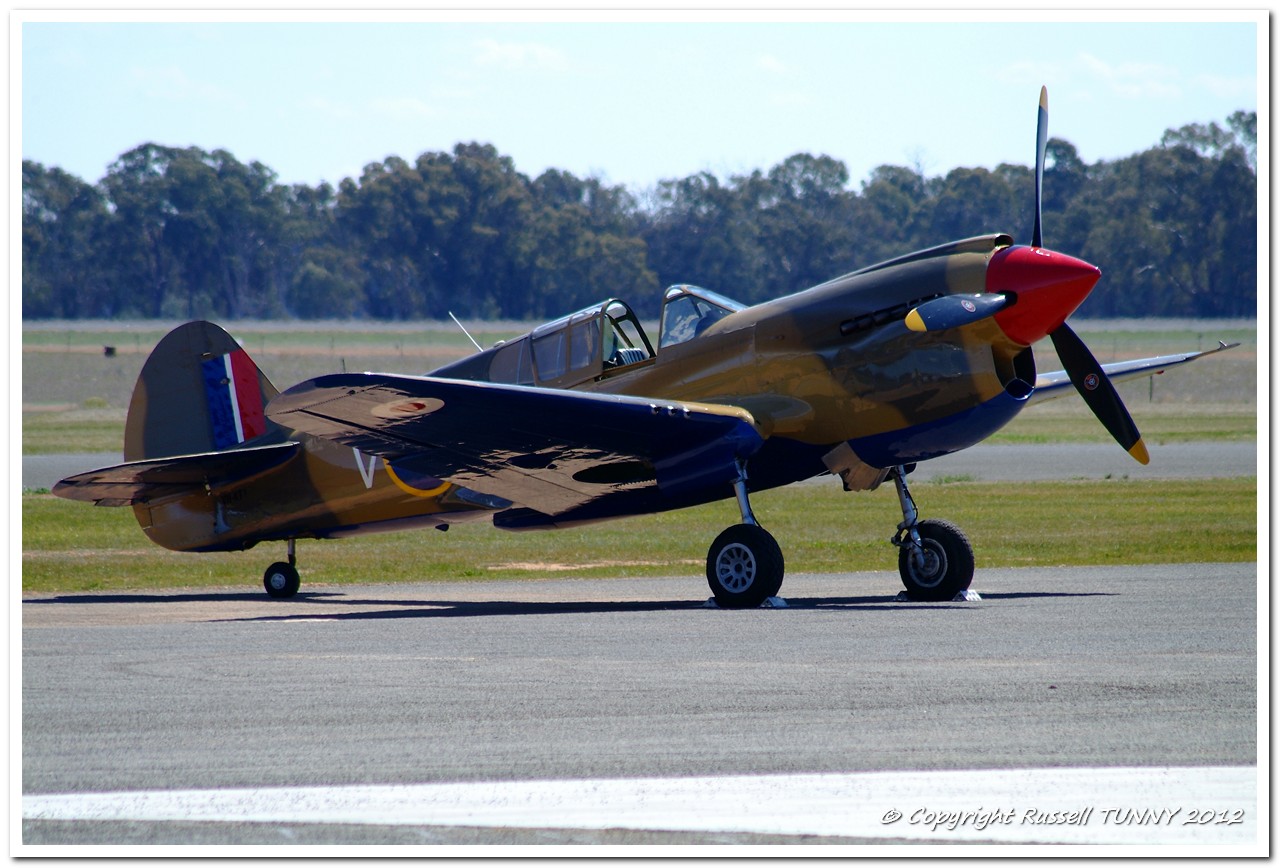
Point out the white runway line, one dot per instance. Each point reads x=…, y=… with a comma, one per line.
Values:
x=1216, y=806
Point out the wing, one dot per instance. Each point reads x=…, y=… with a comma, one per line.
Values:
x=152, y=479
x=550, y=450
x=1057, y=383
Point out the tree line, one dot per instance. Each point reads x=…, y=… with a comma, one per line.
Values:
x=185, y=233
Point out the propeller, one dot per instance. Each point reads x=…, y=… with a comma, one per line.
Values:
x=1081, y=366
x=1042, y=143
x=1095, y=387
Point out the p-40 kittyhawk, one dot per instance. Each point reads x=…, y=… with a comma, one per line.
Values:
x=587, y=418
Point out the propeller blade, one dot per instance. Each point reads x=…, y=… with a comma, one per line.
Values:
x=953, y=311
x=1094, y=386
x=1042, y=142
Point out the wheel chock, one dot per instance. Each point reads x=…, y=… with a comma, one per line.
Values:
x=769, y=603
x=966, y=596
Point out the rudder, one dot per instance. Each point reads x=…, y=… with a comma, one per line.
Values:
x=199, y=391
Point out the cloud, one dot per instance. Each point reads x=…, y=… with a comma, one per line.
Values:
x=1134, y=80
x=520, y=55
x=790, y=99
x=769, y=63
x=456, y=93
x=1020, y=72
x=327, y=107
x=405, y=108
x=1227, y=87
x=171, y=84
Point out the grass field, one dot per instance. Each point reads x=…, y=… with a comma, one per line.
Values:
x=75, y=396
x=71, y=547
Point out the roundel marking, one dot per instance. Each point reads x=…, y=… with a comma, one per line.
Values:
x=407, y=408
x=968, y=305
x=1091, y=382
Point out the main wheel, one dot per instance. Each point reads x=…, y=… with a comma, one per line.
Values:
x=281, y=580
x=744, y=567
x=945, y=567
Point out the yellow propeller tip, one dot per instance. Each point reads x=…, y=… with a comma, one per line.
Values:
x=915, y=322
x=1139, y=452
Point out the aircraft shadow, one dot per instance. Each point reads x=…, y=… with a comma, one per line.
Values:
x=395, y=609
x=443, y=608
x=200, y=597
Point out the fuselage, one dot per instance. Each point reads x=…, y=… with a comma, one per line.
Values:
x=836, y=363
x=833, y=377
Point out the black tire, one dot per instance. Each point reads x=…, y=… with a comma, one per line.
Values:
x=744, y=567
x=948, y=562
x=281, y=580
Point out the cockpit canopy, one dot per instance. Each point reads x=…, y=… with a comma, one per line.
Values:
x=581, y=346
x=594, y=342
x=687, y=311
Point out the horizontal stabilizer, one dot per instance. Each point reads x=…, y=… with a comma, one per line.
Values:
x=144, y=481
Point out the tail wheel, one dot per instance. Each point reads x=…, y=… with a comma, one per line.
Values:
x=941, y=567
x=281, y=580
x=744, y=567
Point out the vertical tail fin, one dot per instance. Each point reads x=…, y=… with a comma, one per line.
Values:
x=198, y=392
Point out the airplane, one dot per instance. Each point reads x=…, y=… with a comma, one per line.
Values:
x=585, y=419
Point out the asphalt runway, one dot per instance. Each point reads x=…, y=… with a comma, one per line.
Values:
x=1121, y=703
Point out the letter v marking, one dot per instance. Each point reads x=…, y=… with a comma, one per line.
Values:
x=366, y=473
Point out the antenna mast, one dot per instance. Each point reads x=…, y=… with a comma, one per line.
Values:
x=465, y=332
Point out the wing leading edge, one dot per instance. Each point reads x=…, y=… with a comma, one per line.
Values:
x=548, y=450
x=1058, y=383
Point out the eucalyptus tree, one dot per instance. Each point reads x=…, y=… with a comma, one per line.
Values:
x=63, y=220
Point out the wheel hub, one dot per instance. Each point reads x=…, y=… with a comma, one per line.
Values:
x=736, y=567
x=928, y=564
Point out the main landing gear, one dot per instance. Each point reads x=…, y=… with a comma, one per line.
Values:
x=281, y=579
x=935, y=558
x=745, y=567
x=744, y=564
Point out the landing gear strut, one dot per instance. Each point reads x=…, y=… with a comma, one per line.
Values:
x=744, y=564
x=281, y=579
x=935, y=558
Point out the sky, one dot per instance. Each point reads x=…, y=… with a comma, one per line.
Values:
x=629, y=99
